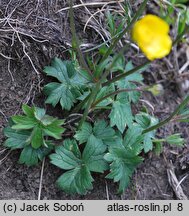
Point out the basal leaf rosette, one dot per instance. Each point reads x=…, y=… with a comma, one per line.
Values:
x=31, y=132
x=151, y=33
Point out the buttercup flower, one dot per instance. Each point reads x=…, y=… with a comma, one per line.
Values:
x=151, y=33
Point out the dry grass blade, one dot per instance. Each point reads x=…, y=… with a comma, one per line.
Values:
x=174, y=183
x=107, y=191
x=4, y=158
x=90, y=4
x=41, y=179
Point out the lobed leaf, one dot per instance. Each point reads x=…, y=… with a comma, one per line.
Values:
x=69, y=87
x=31, y=156
x=121, y=115
x=68, y=157
x=145, y=120
x=16, y=139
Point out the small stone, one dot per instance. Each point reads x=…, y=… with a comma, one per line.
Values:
x=12, y=88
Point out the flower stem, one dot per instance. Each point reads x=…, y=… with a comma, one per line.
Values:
x=91, y=98
x=126, y=73
x=75, y=43
x=162, y=123
x=134, y=19
x=179, y=37
x=112, y=94
x=80, y=105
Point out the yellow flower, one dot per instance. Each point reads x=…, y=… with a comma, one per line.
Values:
x=151, y=33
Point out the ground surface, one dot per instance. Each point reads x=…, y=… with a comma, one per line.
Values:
x=27, y=44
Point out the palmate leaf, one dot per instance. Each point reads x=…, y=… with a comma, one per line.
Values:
x=124, y=157
x=20, y=139
x=16, y=139
x=119, y=65
x=128, y=83
x=23, y=122
x=144, y=120
x=31, y=156
x=102, y=92
x=93, y=155
x=83, y=135
x=39, y=124
x=78, y=178
x=121, y=115
x=70, y=84
x=28, y=132
x=100, y=131
x=122, y=167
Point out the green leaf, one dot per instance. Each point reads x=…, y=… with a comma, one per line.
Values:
x=121, y=115
x=127, y=83
x=112, y=23
x=93, y=155
x=158, y=148
x=44, y=151
x=101, y=67
x=114, y=141
x=54, y=129
x=101, y=131
x=124, y=157
x=69, y=87
x=32, y=141
x=29, y=111
x=64, y=158
x=71, y=145
x=21, y=140
x=145, y=121
x=78, y=180
x=68, y=157
x=23, y=122
x=119, y=65
x=133, y=139
x=16, y=139
x=103, y=92
x=28, y=156
x=175, y=139
x=31, y=156
x=40, y=123
x=181, y=1
x=39, y=113
x=123, y=164
x=83, y=135
x=37, y=138
x=60, y=93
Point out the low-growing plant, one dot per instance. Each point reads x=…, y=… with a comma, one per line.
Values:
x=176, y=12
x=29, y=132
x=111, y=144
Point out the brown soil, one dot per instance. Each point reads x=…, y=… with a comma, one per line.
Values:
x=31, y=34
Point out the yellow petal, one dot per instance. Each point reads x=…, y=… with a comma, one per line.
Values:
x=151, y=35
